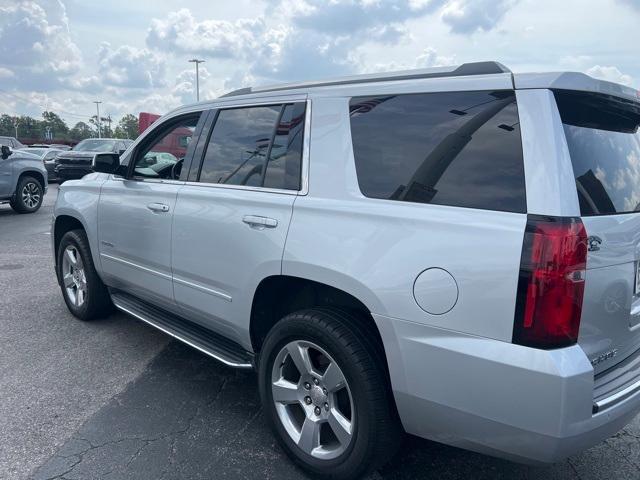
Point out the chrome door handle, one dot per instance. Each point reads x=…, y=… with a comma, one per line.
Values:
x=258, y=222
x=158, y=207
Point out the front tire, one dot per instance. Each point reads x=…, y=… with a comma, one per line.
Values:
x=84, y=293
x=28, y=197
x=325, y=393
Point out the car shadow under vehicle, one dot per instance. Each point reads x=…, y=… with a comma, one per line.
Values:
x=187, y=416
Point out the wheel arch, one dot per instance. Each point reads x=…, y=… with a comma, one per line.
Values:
x=63, y=224
x=279, y=295
x=31, y=173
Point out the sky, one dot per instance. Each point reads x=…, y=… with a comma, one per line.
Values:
x=132, y=55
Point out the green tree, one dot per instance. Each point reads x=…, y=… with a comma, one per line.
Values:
x=57, y=126
x=30, y=128
x=127, y=127
x=105, y=129
x=7, y=127
x=80, y=131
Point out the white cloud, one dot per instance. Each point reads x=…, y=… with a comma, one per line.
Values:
x=6, y=73
x=428, y=58
x=181, y=32
x=185, y=85
x=352, y=16
x=612, y=74
x=35, y=41
x=132, y=67
x=470, y=16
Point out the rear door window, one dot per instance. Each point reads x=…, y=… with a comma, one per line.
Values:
x=604, y=143
x=256, y=146
x=454, y=148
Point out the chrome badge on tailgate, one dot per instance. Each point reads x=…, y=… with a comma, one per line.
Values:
x=604, y=357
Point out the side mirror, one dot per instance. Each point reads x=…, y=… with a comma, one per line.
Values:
x=6, y=151
x=106, y=162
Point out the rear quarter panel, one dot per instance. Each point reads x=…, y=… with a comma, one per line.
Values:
x=375, y=249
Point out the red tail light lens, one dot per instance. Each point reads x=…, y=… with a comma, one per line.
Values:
x=551, y=283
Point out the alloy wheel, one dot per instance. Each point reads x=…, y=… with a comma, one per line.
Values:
x=313, y=400
x=31, y=195
x=73, y=276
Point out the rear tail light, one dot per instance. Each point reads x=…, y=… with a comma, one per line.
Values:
x=551, y=284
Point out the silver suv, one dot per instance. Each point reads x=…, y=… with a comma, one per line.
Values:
x=23, y=180
x=452, y=253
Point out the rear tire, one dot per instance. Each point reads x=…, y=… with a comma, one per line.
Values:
x=84, y=293
x=28, y=197
x=364, y=432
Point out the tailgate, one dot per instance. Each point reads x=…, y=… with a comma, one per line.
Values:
x=604, y=144
x=610, y=323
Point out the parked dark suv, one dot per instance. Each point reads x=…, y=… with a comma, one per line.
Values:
x=76, y=163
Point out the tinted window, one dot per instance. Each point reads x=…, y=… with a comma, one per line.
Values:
x=285, y=157
x=239, y=144
x=461, y=149
x=245, y=140
x=604, y=143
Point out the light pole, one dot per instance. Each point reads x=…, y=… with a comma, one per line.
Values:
x=98, y=117
x=197, y=62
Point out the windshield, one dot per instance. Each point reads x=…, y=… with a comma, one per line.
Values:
x=604, y=143
x=95, y=145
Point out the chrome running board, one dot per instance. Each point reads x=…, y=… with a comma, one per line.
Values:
x=194, y=335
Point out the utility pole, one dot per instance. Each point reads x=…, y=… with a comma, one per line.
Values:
x=15, y=125
x=98, y=117
x=197, y=62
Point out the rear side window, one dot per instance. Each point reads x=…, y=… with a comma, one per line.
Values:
x=256, y=146
x=456, y=148
x=604, y=143
x=284, y=165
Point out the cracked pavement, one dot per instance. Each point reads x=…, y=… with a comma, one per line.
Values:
x=115, y=399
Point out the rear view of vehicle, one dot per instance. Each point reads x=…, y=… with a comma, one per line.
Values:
x=604, y=145
x=579, y=282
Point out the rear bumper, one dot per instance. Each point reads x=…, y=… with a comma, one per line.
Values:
x=493, y=397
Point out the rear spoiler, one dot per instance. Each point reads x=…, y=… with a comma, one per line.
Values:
x=598, y=110
x=576, y=82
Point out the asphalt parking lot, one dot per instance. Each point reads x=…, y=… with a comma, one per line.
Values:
x=116, y=399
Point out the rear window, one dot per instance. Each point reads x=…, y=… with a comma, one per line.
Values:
x=457, y=148
x=604, y=143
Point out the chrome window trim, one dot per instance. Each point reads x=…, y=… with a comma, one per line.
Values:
x=166, y=181
x=244, y=187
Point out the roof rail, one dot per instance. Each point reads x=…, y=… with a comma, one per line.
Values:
x=476, y=68
x=240, y=91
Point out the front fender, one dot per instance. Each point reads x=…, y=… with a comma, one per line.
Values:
x=79, y=199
